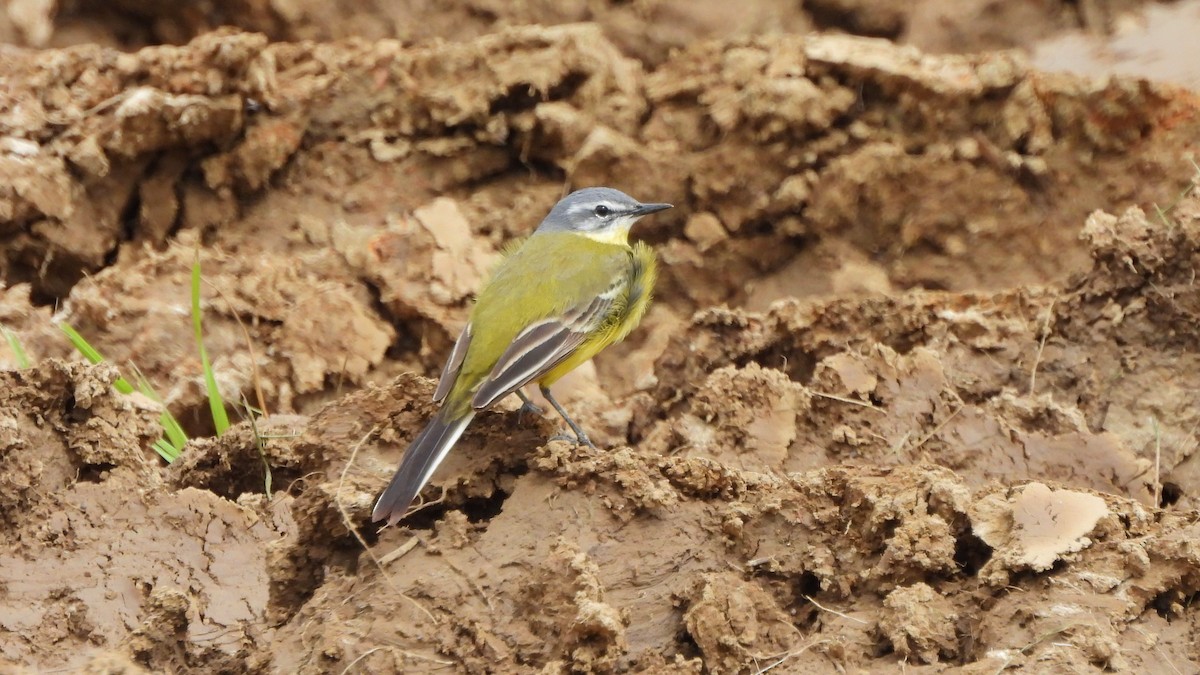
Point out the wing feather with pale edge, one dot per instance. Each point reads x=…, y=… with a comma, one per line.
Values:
x=542, y=346
x=453, y=364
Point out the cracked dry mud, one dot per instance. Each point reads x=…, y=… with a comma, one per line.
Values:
x=918, y=390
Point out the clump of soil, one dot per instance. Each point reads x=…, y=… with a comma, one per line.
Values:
x=917, y=388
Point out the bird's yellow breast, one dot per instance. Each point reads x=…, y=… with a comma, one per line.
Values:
x=627, y=312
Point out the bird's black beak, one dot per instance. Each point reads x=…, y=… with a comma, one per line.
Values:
x=647, y=209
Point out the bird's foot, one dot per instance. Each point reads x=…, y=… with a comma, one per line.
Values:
x=529, y=408
x=579, y=439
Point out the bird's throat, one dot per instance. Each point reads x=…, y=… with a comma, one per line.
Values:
x=615, y=236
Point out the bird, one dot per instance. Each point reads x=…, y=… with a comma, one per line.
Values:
x=573, y=287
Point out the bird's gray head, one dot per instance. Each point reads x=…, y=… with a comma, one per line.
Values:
x=601, y=213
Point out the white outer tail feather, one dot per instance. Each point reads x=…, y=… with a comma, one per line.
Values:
x=402, y=489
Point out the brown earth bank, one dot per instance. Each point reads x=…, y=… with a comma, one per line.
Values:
x=647, y=29
x=917, y=391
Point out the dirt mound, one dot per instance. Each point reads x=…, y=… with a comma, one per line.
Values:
x=917, y=387
x=807, y=167
x=646, y=30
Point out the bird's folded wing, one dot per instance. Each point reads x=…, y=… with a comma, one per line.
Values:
x=453, y=364
x=540, y=347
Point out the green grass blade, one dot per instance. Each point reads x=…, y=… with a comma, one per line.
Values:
x=14, y=343
x=89, y=352
x=215, y=402
x=170, y=447
x=166, y=450
x=176, y=437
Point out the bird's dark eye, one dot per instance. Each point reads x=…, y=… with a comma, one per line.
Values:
x=603, y=211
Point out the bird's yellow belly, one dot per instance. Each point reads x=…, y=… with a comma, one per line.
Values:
x=587, y=350
x=637, y=299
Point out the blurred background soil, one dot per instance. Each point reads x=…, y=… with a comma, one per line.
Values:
x=917, y=391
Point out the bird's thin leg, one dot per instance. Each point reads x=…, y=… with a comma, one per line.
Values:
x=580, y=436
x=527, y=406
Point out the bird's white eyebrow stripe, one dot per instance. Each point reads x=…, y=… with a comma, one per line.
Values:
x=591, y=206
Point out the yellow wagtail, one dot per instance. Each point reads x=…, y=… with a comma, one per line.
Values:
x=573, y=288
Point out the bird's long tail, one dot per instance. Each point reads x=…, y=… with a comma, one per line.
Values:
x=422, y=458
